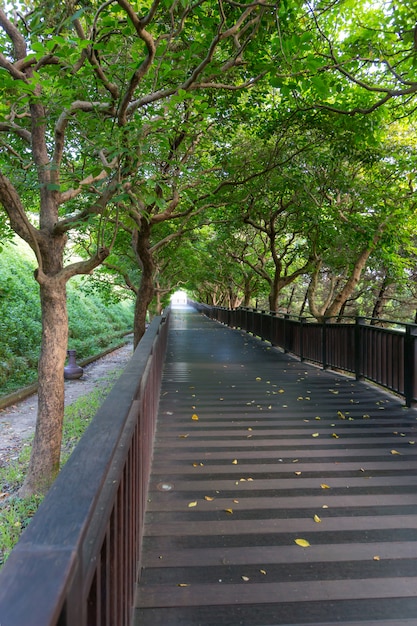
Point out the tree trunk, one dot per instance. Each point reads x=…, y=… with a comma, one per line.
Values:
x=158, y=305
x=275, y=287
x=334, y=309
x=290, y=301
x=247, y=290
x=380, y=301
x=146, y=288
x=304, y=304
x=46, y=449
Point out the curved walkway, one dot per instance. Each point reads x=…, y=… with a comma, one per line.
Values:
x=280, y=493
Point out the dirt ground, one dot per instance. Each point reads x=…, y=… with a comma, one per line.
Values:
x=17, y=422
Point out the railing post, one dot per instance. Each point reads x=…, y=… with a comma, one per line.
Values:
x=409, y=364
x=324, y=343
x=262, y=324
x=302, y=324
x=360, y=321
x=285, y=346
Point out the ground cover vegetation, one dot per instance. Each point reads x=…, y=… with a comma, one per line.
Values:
x=95, y=323
x=249, y=152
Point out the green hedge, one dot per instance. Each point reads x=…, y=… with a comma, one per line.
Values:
x=94, y=325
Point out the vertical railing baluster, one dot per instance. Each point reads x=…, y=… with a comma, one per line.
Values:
x=359, y=366
x=302, y=325
x=324, y=343
x=409, y=364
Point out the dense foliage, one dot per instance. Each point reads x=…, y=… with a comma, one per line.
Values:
x=94, y=324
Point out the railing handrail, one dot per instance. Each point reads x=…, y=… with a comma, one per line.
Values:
x=310, y=319
x=47, y=578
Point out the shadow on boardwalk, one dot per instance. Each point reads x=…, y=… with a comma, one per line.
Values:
x=281, y=451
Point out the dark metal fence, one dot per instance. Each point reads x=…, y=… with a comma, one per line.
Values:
x=384, y=355
x=76, y=564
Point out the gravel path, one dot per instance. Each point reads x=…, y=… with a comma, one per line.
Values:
x=17, y=422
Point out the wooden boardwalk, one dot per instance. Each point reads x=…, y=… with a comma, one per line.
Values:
x=254, y=451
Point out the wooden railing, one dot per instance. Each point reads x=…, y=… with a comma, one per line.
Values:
x=361, y=346
x=76, y=563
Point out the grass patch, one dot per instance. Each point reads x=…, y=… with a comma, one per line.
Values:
x=15, y=512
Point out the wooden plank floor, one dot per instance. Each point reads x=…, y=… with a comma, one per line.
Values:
x=280, y=451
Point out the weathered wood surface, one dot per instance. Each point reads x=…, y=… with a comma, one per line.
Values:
x=277, y=442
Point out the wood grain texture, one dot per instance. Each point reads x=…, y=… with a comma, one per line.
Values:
x=281, y=450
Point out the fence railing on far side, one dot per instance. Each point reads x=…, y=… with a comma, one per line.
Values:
x=381, y=351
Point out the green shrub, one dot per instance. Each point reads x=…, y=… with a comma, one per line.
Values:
x=93, y=325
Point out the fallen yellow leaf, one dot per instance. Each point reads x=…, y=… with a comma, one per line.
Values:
x=395, y=452
x=335, y=436
x=258, y=378
x=194, y=417
x=229, y=511
x=245, y=578
x=208, y=498
x=182, y=585
x=315, y=435
x=297, y=473
x=377, y=558
x=302, y=542
x=411, y=443
x=324, y=486
x=317, y=417
x=341, y=416
x=234, y=462
x=317, y=519
x=263, y=572
x=191, y=504
x=183, y=436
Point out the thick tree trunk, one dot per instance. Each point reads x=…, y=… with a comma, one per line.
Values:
x=247, y=290
x=335, y=307
x=45, y=457
x=146, y=289
x=274, y=291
